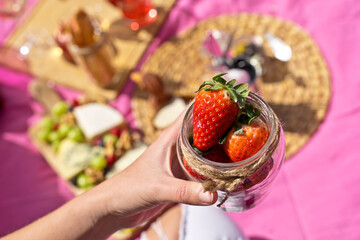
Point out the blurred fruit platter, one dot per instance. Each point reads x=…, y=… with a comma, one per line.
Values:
x=84, y=140
x=37, y=32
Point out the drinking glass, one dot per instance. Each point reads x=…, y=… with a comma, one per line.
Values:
x=258, y=180
x=139, y=13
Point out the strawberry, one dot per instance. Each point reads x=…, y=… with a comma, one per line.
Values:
x=217, y=154
x=192, y=172
x=259, y=175
x=75, y=103
x=216, y=108
x=110, y=160
x=242, y=143
x=115, y=131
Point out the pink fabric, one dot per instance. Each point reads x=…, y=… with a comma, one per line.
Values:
x=8, y=24
x=316, y=195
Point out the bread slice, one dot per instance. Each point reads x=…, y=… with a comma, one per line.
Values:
x=128, y=158
x=169, y=113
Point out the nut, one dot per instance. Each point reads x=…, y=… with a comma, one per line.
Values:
x=95, y=175
x=153, y=84
x=68, y=118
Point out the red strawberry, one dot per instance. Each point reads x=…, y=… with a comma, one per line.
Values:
x=215, y=109
x=74, y=103
x=217, y=154
x=260, y=174
x=110, y=160
x=192, y=172
x=244, y=143
x=56, y=127
x=115, y=131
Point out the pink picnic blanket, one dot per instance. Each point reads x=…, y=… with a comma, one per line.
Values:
x=316, y=195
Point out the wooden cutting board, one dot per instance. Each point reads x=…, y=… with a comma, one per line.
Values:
x=46, y=61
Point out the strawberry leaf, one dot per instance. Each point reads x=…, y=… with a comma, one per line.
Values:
x=204, y=84
x=231, y=83
x=233, y=95
x=241, y=102
x=222, y=141
x=191, y=139
x=244, y=94
x=249, y=114
x=238, y=129
x=198, y=151
x=216, y=87
x=255, y=112
x=221, y=81
x=243, y=118
x=218, y=76
x=251, y=111
x=241, y=87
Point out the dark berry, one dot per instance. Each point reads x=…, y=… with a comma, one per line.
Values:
x=101, y=143
x=73, y=181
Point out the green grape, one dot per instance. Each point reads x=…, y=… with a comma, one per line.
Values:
x=55, y=145
x=110, y=138
x=98, y=162
x=53, y=136
x=59, y=109
x=63, y=130
x=43, y=135
x=76, y=135
x=83, y=181
x=47, y=123
x=90, y=186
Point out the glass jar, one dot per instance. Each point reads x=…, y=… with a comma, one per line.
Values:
x=97, y=60
x=241, y=57
x=138, y=13
x=254, y=174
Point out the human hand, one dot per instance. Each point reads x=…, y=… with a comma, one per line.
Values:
x=147, y=186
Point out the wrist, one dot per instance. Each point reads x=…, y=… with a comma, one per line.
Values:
x=93, y=206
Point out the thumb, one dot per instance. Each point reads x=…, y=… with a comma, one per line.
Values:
x=188, y=192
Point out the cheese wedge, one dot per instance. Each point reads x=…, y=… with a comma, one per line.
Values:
x=96, y=118
x=73, y=157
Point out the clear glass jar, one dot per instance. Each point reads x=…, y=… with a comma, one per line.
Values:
x=257, y=185
x=97, y=61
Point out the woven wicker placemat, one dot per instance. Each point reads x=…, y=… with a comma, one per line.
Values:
x=298, y=90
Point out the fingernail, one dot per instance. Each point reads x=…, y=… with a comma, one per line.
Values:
x=206, y=197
